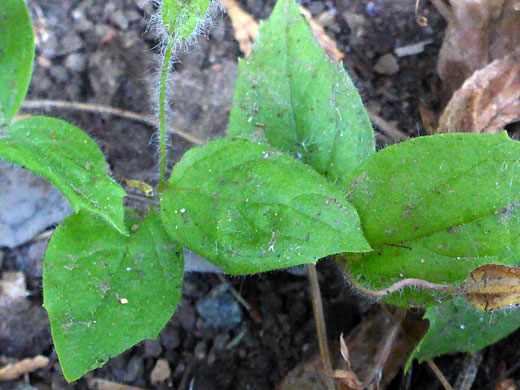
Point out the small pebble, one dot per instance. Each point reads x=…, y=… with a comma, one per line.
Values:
x=59, y=73
x=221, y=312
x=200, y=350
x=134, y=369
x=170, y=338
x=387, y=65
x=119, y=19
x=70, y=43
x=152, y=348
x=49, y=46
x=316, y=7
x=326, y=19
x=75, y=62
x=161, y=372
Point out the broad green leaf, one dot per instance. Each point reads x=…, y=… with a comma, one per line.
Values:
x=435, y=208
x=105, y=292
x=16, y=57
x=455, y=326
x=249, y=209
x=68, y=158
x=181, y=19
x=304, y=104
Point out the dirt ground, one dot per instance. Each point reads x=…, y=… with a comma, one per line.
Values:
x=103, y=52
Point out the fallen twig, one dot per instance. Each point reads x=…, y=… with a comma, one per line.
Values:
x=438, y=373
x=25, y=366
x=467, y=375
x=97, y=108
x=102, y=384
x=391, y=131
x=319, y=319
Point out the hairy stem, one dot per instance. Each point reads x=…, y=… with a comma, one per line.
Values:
x=162, y=109
x=409, y=282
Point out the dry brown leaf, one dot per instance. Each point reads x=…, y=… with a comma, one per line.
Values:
x=468, y=29
x=364, y=342
x=428, y=118
x=348, y=377
x=246, y=29
x=25, y=366
x=487, y=101
x=478, y=32
x=244, y=25
x=305, y=376
x=491, y=287
x=380, y=340
x=505, y=384
x=505, y=34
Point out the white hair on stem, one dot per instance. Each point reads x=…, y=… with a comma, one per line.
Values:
x=170, y=46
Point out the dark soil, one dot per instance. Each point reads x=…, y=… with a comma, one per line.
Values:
x=100, y=52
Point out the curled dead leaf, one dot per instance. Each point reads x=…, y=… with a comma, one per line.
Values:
x=478, y=32
x=365, y=355
x=492, y=287
x=487, y=101
x=347, y=376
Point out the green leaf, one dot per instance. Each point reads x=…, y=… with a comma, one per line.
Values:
x=68, y=158
x=455, y=326
x=105, y=292
x=248, y=209
x=304, y=104
x=435, y=208
x=16, y=57
x=181, y=19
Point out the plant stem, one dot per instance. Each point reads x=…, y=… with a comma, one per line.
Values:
x=319, y=319
x=162, y=109
x=409, y=282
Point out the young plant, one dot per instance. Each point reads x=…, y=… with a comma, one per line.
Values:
x=431, y=222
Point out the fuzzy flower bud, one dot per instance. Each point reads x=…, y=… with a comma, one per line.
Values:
x=182, y=20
